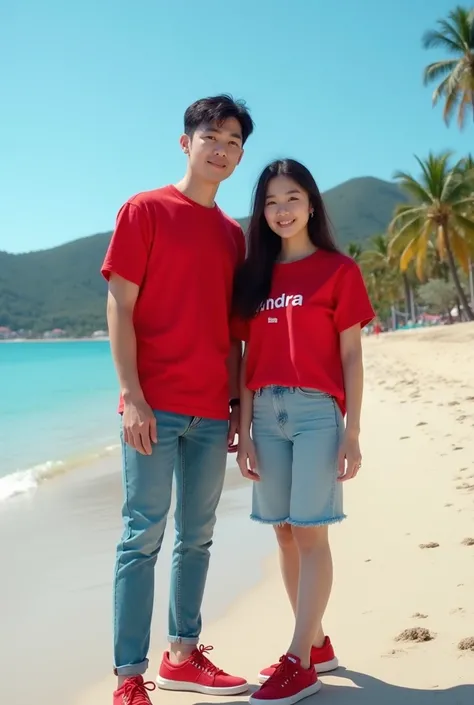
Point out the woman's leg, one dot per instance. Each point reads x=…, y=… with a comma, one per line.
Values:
x=314, y=589
x=289, y=554
x=289, y=562
x=316, y=502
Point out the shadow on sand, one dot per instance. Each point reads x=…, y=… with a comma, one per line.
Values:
x=366, y=690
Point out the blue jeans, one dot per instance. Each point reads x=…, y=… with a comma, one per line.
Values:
x=297, y=433
x=195, y=449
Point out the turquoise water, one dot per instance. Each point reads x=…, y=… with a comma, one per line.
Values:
x=58, y=406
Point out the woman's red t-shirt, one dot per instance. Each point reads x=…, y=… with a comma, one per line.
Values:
x=293, y=341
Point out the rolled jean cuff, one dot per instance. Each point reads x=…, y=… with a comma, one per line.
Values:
x=135, y=669
x=183, y=640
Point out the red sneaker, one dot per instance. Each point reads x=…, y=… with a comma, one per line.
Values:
x=199, y=675
x=133, y=691
x=323, y=658
x=289, y=684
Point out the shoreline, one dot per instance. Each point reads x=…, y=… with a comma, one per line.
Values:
x=404, y=557
x=60, y=563
x=89, y=339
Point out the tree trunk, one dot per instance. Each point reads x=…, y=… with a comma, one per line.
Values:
x=454, y=273
x=457, y=304
x=406, y=291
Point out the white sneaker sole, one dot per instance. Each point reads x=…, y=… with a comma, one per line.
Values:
x=324, y=667
x=311, y=690
x=166, y=684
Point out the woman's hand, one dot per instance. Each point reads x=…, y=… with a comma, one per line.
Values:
x=247, y=458
x=350, y=459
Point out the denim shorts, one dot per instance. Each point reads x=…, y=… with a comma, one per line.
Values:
x=297, y=433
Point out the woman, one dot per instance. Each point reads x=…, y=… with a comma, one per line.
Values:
x=300, y=305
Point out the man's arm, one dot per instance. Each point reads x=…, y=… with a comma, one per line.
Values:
x=120, y=305
x=233, y=367
x=139, y=425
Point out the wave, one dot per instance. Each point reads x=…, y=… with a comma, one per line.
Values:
x=27, y=481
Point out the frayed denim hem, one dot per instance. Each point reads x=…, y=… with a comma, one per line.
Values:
x=322, y=522
x=271, y=522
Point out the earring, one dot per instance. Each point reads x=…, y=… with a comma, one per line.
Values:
x=311, y=214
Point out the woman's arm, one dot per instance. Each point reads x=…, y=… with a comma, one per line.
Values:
x=353, y=370
x=351, y=358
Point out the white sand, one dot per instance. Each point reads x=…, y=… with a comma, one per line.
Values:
x=416, y=487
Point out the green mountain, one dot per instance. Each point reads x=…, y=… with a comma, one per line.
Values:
x=62, y=287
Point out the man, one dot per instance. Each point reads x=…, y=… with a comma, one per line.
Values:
x=170, y=267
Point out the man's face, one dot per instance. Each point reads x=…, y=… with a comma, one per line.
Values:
x=214, y=150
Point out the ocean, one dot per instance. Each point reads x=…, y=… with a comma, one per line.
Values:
x=58, y=410
x=60, y=511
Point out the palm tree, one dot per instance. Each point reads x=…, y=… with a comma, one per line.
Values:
x=439, y=212
x=354, y=250
x=456, y=36
x=382, y=274
x=467, y=166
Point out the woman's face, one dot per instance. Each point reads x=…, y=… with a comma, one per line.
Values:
x=287, y=207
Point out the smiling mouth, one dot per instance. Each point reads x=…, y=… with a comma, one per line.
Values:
x=285, y=223
x=218, y=166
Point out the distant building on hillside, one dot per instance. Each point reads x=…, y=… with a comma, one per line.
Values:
x=55, y=333
x=6, y=333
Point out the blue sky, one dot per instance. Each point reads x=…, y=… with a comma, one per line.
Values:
x=93, y=94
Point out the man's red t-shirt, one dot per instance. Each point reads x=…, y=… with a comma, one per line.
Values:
x=293, y=341
x=183, y=257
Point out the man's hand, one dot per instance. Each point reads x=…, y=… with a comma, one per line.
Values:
x=139, y=426
x=247, y=459
x=350, y=459
x=234, y=421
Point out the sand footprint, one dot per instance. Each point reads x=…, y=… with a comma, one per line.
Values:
x=465, y=486
x=466, y=644
x=431, y=544
x=415, y=634
x=468, y=541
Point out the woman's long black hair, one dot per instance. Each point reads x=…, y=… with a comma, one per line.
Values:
x=254, y=278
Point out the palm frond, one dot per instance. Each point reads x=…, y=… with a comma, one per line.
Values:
x=465, y=225
x=465, y=102
x=421, y=251
x=409, y=254
x=452, y=102
x=466, y=164
x=463, y=205
x=405, y=215
x=438, y=69
x=440, y=243
x=455, y=188
x=461, y=250
x=434, y=39
x=413, y=187
x=457, y=26
x=409, y=231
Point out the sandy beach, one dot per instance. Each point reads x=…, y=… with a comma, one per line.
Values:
x=404, y=558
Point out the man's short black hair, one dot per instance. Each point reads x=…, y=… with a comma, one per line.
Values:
x=216, y=109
